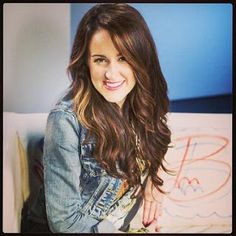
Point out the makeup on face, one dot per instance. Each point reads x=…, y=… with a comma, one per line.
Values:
x=111, y=75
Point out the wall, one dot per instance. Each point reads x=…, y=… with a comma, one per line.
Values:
x=36, y=50
x=194, y=43
x=210, y=104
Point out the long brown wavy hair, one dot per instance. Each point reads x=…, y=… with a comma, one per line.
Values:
x=145, y=107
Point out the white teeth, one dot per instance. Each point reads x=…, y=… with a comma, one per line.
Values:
x=114, y=84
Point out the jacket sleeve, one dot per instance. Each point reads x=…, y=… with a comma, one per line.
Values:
x=62, y=169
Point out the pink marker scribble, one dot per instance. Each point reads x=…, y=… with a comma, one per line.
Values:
x=190, y=182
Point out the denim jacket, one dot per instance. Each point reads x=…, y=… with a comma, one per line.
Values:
x=79, y=195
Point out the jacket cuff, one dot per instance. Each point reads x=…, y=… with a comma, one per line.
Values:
x=105, y=226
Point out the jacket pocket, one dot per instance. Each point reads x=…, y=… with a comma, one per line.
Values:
x=89, y=163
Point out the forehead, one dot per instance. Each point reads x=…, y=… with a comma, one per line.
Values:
x=101, y=42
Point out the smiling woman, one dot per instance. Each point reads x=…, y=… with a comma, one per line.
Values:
x=107, y=137
x=110, y=73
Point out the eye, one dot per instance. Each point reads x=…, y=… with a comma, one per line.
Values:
x=100, y=60
x=122, y=58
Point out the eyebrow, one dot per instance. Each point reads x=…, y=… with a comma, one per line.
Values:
x=100, y=55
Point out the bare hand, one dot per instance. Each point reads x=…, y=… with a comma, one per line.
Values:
x=152, y=208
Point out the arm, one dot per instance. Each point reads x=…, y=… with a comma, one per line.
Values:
x=62, y=170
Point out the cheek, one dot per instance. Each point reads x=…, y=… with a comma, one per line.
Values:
x=133, y=80
x=97, y=74
x=131, y=77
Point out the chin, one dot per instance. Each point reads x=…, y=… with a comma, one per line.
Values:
x=114, y=100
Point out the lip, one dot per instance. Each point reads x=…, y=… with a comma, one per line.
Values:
x=113, y=85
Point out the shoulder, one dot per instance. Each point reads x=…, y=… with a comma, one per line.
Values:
x=64, y=105
x=63, y=116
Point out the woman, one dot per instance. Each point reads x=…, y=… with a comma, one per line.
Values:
x=106, y=138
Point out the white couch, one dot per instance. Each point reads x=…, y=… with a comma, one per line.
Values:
x=19, y=132
x=200, y=192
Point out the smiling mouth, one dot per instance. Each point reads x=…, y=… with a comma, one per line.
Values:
x=113, y=85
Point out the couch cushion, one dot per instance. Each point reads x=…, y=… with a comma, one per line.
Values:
x=20, y=133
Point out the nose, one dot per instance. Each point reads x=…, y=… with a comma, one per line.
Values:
x=113, y=72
